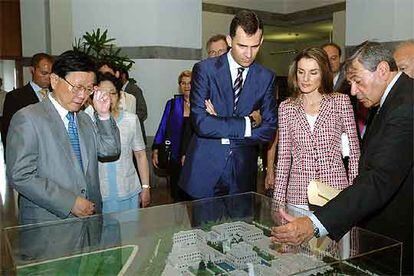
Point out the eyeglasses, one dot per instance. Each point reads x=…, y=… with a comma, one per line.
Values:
x=79, y=88
x=216, y=53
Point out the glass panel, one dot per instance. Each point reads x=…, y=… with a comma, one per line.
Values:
x=227, y=235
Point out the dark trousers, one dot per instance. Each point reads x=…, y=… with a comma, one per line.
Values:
x=238, y=176
x=177, y=194
x=240, y=172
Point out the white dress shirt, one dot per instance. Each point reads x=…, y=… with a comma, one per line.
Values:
x=234, y=66
x=36, y=89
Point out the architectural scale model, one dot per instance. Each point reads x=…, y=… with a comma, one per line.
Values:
x=236, y=248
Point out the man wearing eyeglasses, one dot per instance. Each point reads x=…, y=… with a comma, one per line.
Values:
x=53, y=147
x=217, y=45
x=33, y=92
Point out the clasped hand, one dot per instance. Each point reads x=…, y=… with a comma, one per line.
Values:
x=83, y=207
x=210, y=110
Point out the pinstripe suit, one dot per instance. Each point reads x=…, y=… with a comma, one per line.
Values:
x=305, y=155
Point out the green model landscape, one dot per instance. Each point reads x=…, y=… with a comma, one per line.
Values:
x=108, y=262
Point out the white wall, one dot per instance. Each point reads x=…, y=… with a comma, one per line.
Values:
x=214, y=23
x=175, y=23
x=141, y=22
x=339, y=30
x=7, y=73
x=158, y=79
x=61, y=37
x=379, y=20
x=33, y=21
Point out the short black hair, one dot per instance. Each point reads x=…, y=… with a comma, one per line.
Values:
x=73, y=61
x=108, y=63
x=248, y=21
x=125, y=71
x=333, y=45
x=109, y=77
x=36, y=58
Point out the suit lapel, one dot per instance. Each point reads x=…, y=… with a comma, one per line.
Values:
x=301, y=115
x=225, y=84
x=60, y=133
x=82, y=127
x=325, y=110
x=248, y=91
x=30, y=96
x=376, y=120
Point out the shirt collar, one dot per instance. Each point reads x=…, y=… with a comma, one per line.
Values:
x=125, y=85
x=35, y=87
x=60, y=109
x=390, y=85
x=233, y=65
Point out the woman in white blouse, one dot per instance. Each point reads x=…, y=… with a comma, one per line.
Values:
x=120, y=185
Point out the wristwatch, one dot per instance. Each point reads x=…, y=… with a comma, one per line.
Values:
x=316, y=233
x=146, y=186
x=253, y=123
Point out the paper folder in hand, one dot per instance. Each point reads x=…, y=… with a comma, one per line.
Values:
x=320, y=193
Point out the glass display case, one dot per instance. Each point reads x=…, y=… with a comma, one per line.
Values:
x=219, y=236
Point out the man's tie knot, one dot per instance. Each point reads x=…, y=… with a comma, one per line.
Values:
x=43, y=93
x=70, y=116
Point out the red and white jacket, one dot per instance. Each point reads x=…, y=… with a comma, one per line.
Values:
x=304, y=155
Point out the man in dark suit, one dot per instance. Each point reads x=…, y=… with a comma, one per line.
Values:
x=53, y=147
x=132, y=88
x=222, y=157
x=33, y=92
x=381, y=197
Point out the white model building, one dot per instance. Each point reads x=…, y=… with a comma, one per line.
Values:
x=237, y=240
x=241, y=254
x=188, y=238
x=247, y=232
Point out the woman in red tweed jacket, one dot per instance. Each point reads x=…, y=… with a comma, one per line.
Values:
x=311, y=123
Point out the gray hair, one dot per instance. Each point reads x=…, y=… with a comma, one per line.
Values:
x=370, y=54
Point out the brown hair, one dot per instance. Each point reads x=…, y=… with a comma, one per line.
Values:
x=216, y=38
x=185, y=73
x=248, y=21
x=37, y=58
x=321, y=58
x=333, y=45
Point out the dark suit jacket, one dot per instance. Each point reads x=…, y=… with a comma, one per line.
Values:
x=381, y=198
x=141, y=106
x=342, y=85
x=206, y=155
x=16, y=100
x=43, y=168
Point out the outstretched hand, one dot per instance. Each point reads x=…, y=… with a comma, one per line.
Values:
x=295, y=232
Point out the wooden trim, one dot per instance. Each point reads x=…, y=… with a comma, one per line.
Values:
x=10, y=30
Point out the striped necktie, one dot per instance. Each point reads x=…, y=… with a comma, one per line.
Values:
x=74, y=137
x=238, y=83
